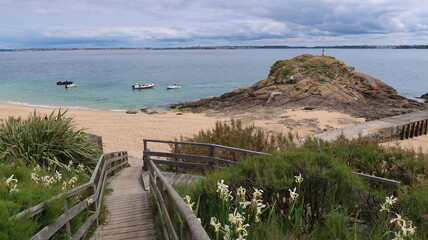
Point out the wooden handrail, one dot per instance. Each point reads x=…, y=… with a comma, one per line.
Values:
x=95, y=189
x=167, y=196
x=206, y=145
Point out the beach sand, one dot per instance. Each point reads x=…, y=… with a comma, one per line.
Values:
x=121, y=131
x=417, y=143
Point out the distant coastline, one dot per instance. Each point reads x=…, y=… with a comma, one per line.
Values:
x=223, y=47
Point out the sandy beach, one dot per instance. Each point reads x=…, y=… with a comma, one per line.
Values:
x=121, y=131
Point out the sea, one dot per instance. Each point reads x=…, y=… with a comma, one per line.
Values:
x=104, y=77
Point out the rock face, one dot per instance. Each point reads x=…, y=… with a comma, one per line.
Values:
x=424, y=96
x=319, y=82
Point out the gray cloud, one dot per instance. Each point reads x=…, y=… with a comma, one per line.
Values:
x=204, y=22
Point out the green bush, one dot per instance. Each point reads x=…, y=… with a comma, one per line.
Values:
x=327, y=184
x=234, y=134
x=45, y=142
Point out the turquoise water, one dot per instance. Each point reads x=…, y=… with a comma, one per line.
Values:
x=104, y=78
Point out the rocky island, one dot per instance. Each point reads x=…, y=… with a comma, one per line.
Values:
x=318, y=82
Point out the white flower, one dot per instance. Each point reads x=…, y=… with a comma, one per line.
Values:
x=257, y=193
x=293, y=194
x=215, y=224
x=384, y=207
x=13, y=188
x=390, y=200
x=407, y=228
x=37, y=168
x=236, y=219
x=89, y=201
x=244, y=204
x=58, y=176
x=10, y=180
x=298, y=179
x=398, y=236
x=188, y=200
x=35, y=177
x=80, y=167
x=241, y=192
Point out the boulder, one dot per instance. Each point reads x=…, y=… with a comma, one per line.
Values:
x=131, y=111
x=424, y=96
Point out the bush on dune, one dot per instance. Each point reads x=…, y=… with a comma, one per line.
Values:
x=45, y=142
x=235, y=134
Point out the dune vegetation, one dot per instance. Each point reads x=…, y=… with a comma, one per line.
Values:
x=312, y=191
x=41, y=158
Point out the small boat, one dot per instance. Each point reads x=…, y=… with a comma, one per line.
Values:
x=70, y=85
x=174, y=86
x=64, y=82
x=142, y=86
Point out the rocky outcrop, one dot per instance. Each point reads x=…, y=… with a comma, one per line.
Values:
x=424, y=96
x=319, y=82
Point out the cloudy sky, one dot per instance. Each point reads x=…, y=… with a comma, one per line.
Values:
x=182, y=23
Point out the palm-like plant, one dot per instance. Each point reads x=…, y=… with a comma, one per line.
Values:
x=52, y=141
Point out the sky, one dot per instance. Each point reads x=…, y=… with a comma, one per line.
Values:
x=184, y=23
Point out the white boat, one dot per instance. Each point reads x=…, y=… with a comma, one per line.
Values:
x=174, y=86
x=142, y=86
x=70, y=85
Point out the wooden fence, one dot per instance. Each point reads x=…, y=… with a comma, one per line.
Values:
x=196, y=161
x=168, y=200
x=109, y=163
x=414, y=129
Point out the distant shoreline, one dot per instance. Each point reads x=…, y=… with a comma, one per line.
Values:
x=222, y=47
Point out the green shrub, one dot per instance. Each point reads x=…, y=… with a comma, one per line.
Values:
x=45, y=142
x=234, y=134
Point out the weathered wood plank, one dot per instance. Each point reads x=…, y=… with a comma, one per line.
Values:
x=129, y=208
x=210, y=159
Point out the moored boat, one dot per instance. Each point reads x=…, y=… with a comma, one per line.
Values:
x=64, y=82
x=174, y=86
x=70, y=85
x=142, y=86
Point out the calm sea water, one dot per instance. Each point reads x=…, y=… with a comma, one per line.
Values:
x=104, y=78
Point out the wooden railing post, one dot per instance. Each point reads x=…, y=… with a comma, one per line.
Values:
x=169, y=204
x=177, y=169
x=93, y=206
x=426, y=127
x=403, y=132
x=145, y=158
x=211, y=153
x=67, y=225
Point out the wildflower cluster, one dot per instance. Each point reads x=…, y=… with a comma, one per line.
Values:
x=235, y=216
x=47, y=180
x=67, y=184
x=403, y=229
x=11, y=183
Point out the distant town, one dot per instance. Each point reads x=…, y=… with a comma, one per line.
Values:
x=223, y=47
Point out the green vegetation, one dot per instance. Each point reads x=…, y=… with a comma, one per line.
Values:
x=311, y=192
x=39, y=159
x=52, y=142
x=234, y=134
